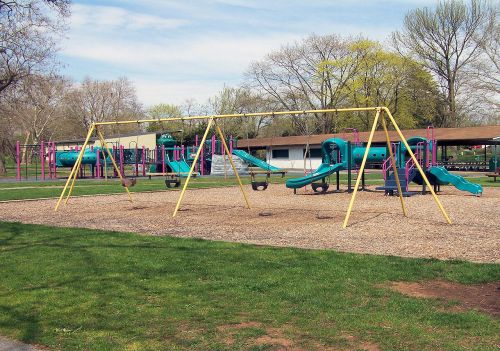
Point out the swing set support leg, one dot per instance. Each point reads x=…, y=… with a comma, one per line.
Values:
x=221, y=136
x=105, y=145
x=193, y=165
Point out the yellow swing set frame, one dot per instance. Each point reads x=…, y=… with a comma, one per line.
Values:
x=380, y=116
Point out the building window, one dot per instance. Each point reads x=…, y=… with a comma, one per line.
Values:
x=315, y=153
x=280, y=153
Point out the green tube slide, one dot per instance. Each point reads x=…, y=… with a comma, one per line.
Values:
x=323, y=171
x=327, y=167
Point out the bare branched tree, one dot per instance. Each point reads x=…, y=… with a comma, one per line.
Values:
x=36, y=107
x=28, y=35
x=291, y=76
x=101, y=101
x=447, y=40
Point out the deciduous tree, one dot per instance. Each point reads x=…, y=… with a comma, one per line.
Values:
x=447, y=39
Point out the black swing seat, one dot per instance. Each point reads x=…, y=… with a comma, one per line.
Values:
x=317, y=186
x=262, y=185
x=259, y=185
x=173, y=181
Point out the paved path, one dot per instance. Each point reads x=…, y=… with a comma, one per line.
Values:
x=11, y=345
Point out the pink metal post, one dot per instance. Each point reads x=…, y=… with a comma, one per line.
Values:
x=213, y=145
x=196, y=140
x=122, y=168
x=143, y=161
x=42, y=159
x=231, y=144
x=136, y=161
x=114, y=155
x=202, y=161
x=163, y=158
x=98, y=163
x=182, y=152
x=49, y=158
x=18, y=160
x=54, y=158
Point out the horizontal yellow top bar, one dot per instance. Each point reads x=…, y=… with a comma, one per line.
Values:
x=236, y=115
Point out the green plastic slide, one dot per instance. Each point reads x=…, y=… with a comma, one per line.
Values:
x=323, y=171
x=245, y=156
x=445, y=177
x=178, y=166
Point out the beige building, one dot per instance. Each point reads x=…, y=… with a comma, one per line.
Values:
x=129, y=141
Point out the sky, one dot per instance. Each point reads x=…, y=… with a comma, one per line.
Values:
x=190, y=49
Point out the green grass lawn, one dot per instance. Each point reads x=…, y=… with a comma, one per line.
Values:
x=35, y=190
x=80, y=289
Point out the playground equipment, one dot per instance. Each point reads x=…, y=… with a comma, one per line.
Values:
x=43, y=161
x=266, y=169
x=339, y=154
x=212, y=121
x=41, y=156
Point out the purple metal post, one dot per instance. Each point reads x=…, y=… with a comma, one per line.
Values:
x=18, y=160
x=196, y=140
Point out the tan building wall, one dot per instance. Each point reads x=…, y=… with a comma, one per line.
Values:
x=146, y=140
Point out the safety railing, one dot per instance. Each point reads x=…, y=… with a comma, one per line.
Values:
x=387, y=162
x=410, y=164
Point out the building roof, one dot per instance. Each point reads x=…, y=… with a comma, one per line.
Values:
x=482, y=135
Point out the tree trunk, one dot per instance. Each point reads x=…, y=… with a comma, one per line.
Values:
x=25, y=153
x=452, y=104
x=3, y=167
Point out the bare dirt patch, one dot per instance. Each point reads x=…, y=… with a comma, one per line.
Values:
x=481, y=297
x=305, y=220
x=288, y=338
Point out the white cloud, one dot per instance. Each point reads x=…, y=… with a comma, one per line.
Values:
x=153, y=91
x=174, y=50
x=207, y=55
x=87, y=17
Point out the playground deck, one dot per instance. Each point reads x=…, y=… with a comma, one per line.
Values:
x=280, y=218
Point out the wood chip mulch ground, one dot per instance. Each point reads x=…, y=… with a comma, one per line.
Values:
x=280, y=218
